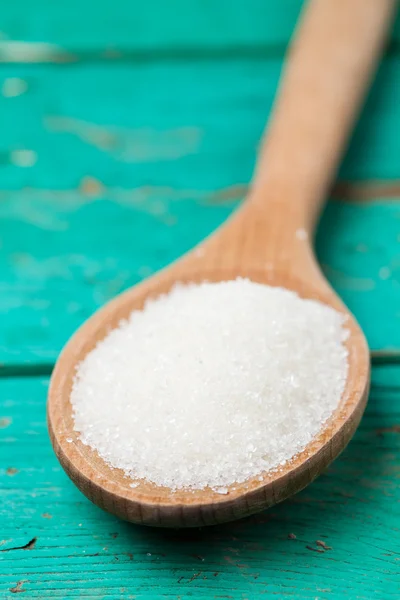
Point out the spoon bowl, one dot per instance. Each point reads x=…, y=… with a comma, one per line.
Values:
x=150, y=504
x=267, y=241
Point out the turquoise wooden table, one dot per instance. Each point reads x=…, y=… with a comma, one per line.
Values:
x=127, y=134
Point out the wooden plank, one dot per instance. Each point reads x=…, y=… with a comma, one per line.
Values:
x=65, y=254
x=121, y=25
x=359, y=249
x=119, y=29
x=61, y=546
x=111, y=124
x=128, y=126
x=363, y=160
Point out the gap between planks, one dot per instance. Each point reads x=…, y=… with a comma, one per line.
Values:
x=359, y=192
x=368, y=191
x=24, y=53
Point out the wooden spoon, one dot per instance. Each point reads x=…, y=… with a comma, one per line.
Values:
x=267, y=240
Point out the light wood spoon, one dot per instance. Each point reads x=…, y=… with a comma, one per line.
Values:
x=331, y=62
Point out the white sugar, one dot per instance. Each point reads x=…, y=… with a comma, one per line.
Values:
x=211, y=384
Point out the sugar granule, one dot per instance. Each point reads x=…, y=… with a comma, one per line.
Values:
x=211, y=384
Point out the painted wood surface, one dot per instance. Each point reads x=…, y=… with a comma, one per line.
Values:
x=77, y=551
x=117, y=154
x=195, y=24
x=64, y=256
x=149, y=30
x=164, y=169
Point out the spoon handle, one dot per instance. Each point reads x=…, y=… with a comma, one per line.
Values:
x=331, y=62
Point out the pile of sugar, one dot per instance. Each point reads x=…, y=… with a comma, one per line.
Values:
x=211, y=384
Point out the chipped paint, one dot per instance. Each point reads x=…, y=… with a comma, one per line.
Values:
x=50, y=209
x=91, y=187
x=323, y=545
x=11, y=471
x=13, y=87
x=23, y=158
x=384, y=273
x=15, y=51
x=18, y=587
x=130, y=145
